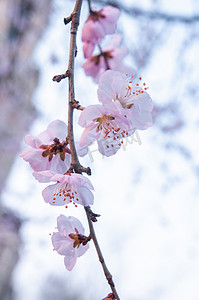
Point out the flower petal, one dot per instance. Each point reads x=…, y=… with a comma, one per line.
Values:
x=86, y=197
x=32, y=141
x=70, y=261
x=43, y=176
x=48, y=195
x=82, y=249
x=56, y=129
x=75, y=223
x=89, y=113
x=64, y=225
x=88, y=49
x=61, y=244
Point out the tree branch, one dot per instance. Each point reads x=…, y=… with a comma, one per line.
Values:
x=58, y=78
x=72, y=104
x=74, y=18
x=99, y=253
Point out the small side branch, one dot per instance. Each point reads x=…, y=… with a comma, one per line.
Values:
x=58, y=78
x=99, y=253
x=68, y=19
x=77, y=168
x=77, y=106
x=92, y=215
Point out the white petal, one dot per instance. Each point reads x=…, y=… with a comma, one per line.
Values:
x=61, y=244
x=108, y=151
x=64, y=224
x=32, y=141
x=48, y=195
x=56, y=129
x=88, y=136
x=114, y=43
x=86, y=197
x=75, y=223
x=82, y=249
x=43, y=176
x=89, y=113
x=70, y=261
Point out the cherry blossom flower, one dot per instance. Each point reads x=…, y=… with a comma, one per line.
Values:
x=106, y=124
x=69, y=240
x=49, y=150
x=117, y=86
x=110, y=58
x=100, y=23
x=88, y=49
x=69, y=188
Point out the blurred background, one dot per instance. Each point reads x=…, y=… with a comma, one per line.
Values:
x=147, y=194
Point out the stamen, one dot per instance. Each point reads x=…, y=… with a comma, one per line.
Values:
x=68, y=194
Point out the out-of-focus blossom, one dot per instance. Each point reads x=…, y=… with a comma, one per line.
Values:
x=132, y=95
x=110, y=57
x=88, y=49
x=49, y=151
x=106, y=124
x=69, y=188
x=69, y=240
x=100, y=23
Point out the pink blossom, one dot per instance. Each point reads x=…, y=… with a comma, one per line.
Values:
x=88, y=49
x=132, y=95
x=110, y=57
x=106, y=124
x=69, y=188
x=100, y=23
x=68, y=240
x=49, y=150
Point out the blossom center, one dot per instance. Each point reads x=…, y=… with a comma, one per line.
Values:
x=56, y=148
x=133, y=88
x=111, y=130
x=79, y=239
x=68, y=192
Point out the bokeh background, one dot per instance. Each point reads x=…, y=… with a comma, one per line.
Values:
x=147, y=194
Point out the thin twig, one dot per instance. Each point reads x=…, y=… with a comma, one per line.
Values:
x=68, y=19
x=77, y=106
x=100, y=256
x=58, y=78
x=93, y=217
x=75, y=164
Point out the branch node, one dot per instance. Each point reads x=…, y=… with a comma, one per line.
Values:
x=58, y=78
x=92, y=215
x=68, y=19
x=77, y=168
x=75, y=104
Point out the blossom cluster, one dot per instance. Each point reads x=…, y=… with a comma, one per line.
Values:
x=124, y=106
x=98, y=25
x=49, y=157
